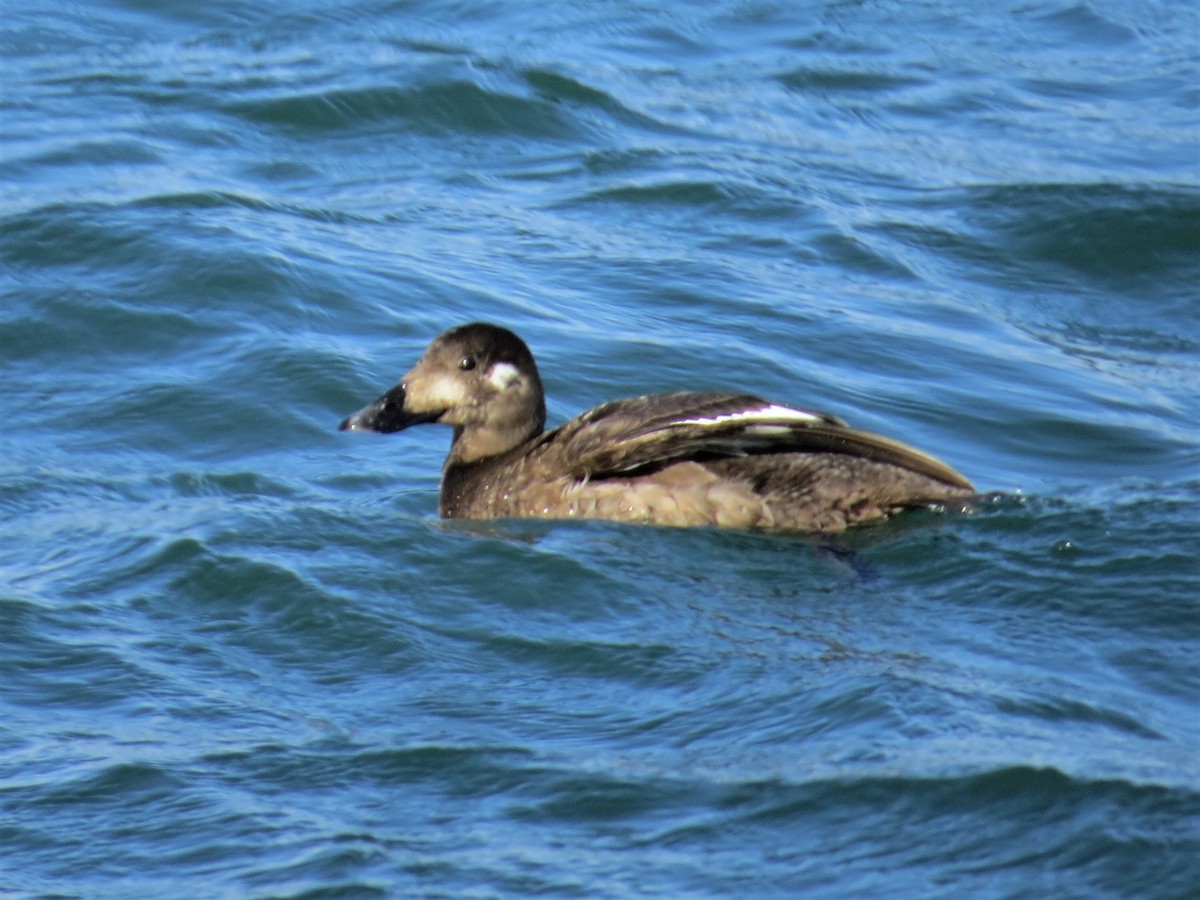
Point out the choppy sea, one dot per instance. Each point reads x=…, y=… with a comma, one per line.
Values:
x=240, y=655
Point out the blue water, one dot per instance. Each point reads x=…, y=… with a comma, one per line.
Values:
x=240, y=656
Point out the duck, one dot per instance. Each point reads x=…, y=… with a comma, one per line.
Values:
x=687, y=458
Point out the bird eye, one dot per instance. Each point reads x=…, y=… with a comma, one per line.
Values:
x=467, y=363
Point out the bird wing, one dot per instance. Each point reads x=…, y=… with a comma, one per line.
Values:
x=626, y=435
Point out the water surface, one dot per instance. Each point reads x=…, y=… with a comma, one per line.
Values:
x=242, y=656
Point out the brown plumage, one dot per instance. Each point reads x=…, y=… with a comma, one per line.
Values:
x=684, y=458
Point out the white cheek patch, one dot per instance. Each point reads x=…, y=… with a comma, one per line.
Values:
x=502, y=375
x=441, y=391
x=766, y=415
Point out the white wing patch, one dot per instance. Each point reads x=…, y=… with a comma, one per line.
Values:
x=502, y=375
x=766, y=416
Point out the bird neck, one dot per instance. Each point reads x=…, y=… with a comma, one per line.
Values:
x=472, y=444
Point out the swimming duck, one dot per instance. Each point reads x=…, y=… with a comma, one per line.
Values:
x=686, y=458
